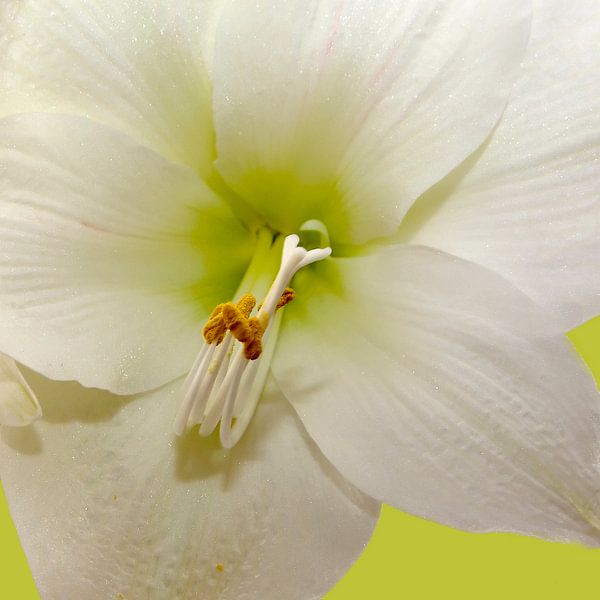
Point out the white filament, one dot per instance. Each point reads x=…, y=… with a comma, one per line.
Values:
x=223, y=383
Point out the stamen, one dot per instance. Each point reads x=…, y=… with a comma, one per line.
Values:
x=230, y=371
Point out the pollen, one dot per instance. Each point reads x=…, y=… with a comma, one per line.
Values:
x=245, y=304
x=288, y=295
x=219, y=567
x=236, y=319
x=216, y=327
x=253, y=346
x=214, y=331
x=236, y=322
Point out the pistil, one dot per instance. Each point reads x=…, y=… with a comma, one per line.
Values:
x=230, y=371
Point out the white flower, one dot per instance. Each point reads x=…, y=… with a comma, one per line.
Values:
x=147, y=154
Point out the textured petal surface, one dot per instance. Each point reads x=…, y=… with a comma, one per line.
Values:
x=18, y=404
x=111, y=256
x=139, y=67
x=347, y=111
x=108, y=505
x=528, y=205
x=434, y=385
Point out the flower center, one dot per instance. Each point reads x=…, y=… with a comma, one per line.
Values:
x=229, y=373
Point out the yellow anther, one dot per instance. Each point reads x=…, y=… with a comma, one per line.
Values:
x=235, y=318
x=247, y=331
x=236, y=322
x=253, y=346
x=214, y=331
x=288, y=295
x=245, y=304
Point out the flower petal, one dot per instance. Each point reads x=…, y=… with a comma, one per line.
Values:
x=108, y=505
x=528, y=206
x=347, y=111
x=139, y=68
x=18, y=404
x=434, y=385
x=111, y=256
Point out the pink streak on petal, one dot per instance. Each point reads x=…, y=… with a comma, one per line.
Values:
x=337, y=21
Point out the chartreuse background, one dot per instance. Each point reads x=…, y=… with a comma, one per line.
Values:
x=412, y=559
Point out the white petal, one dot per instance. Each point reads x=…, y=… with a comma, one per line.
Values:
x=528, y=206
x=18, y=404
x=139, y=67
x=108, y=505
x=433, y=384
x=111, y=256
x=348, y=111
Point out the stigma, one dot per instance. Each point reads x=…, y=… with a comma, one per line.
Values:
x=226, y=380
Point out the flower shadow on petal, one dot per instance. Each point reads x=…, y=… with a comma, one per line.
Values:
x=25, y=440
x=432, y=200
x=64, y=401
x=200, y=458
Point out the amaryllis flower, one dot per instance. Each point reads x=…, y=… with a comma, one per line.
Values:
x=423, y=176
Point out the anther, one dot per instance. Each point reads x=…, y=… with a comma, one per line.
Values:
x=247, y=331
x=236, y=322
x=245, y=304
x=215, y=329
x=253, y=345
x=288, y=295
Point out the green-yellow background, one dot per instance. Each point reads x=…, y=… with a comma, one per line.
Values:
x=412, y=559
